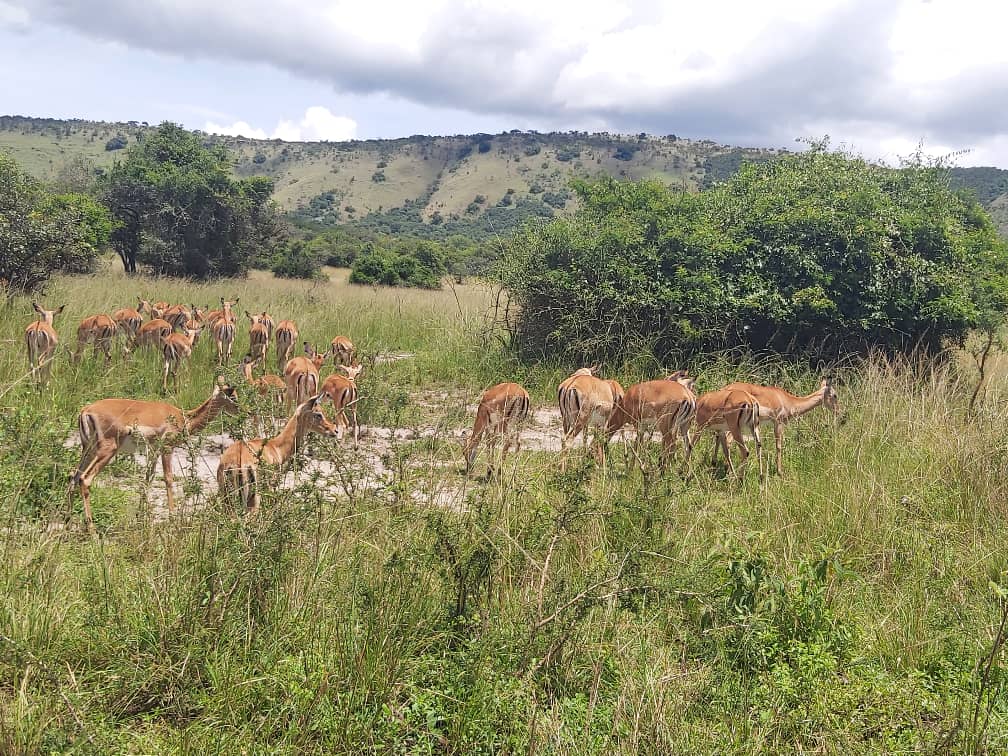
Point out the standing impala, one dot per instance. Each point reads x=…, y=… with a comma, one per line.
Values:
x=109, y=426
x=342, y=351
x=128, y=321
x=153, y=333
x=267, y=320
x=41, y=340
x=240, y=465
x=587, y=402
x=223, y=329
x=286, y=337
x=342, y=390
x=98, y=330
x=175, y=348
x=178, y=315
x=667, y=405
x=502, y=411
x=779, y=407
x=302, y=375
x=259, y=336
x=734, y=411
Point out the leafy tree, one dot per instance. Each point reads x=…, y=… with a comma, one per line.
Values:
x=182, y=214
x=818, y=253
x=41, y=234
x=299, y=259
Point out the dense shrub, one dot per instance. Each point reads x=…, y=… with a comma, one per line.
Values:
x=815, y=253
x=404, y=263
x=116, y=143
x=299, y=259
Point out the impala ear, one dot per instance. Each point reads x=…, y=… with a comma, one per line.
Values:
x=222, y=302
x=308, y=349
x=237, y=300
x=36, y=307
x=59, y=309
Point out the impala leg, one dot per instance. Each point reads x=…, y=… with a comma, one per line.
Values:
x=779, y=441
x=103, y=453
x=166, y=468
x=356, y=425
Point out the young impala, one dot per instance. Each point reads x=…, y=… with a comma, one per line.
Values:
x=109, y=426
x=268, y=385
x=41, y=340
x=98, y=330
x=239, y=471
x=342, y=350
x=502, y=411
x=342, y=390
x=302, y=375
x=667, y=405
x=175, y=348
x=587, y=402
x=259, y=336
x=286, y=338
x=779, y=407
x=734, y=411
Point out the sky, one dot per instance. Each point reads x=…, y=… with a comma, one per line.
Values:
x=880, y=77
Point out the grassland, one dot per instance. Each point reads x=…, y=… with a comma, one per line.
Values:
x=849, y=606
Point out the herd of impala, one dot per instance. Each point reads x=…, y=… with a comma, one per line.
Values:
x=591, y=407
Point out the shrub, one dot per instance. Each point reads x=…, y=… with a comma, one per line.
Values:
x=259, y=158
x=116, y=143
x=298, y=259
x=378, y=176
x=409, y=263
x=817, y=253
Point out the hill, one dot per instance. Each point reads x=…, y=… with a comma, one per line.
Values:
x=433, y=185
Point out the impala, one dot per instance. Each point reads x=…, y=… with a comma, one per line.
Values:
x=586, y=402
x=502, y=411
x=779, y=407
x=734, y=411
x=342, y=390
x=668, y=405
x=109, y=426
x=128, y=322
x=301, y=375
x=41, y=340
x=267, y=385
x=175, y=348
x=213, y=315
x=223, y=329
x=98, y=330
x=259, y=336
x=342, y=351
x=286, y=337
x=239, y=468
x=153, y=333
x=267, y=320
x=158, y=309
x=178, y=315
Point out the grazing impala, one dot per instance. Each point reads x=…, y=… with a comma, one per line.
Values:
x=178, y=315
x=668, y=405
x=342, y=390
x=258, y=337
x=128, y=322
x=269, y=385
x=98, y=330
x=734, y=411
x=153, y=333
x=779, y=407
x=587, y=402
x=175, y=348
x=239, y=471
x=41, y=340
x=502, y=411
x=109, y=426
x=342, y=351
x=286, y=337
x=302, y=375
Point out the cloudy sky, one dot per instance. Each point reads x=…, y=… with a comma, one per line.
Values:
x=881, y=76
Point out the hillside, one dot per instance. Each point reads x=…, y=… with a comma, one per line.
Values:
x=482, y=182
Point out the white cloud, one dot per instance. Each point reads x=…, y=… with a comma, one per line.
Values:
x=13, y=17
x=318, y=124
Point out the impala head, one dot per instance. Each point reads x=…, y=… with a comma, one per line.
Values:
x=352, y=371
x=469, y=449
x=311, y=418
x=191, y=332
x=225, y=396
x=143, y=305
x=830, y=399
x=253, y=319
x=46, y=316
x=226, y=305
x=585, y=371
x=682, y=377
x=197, y=313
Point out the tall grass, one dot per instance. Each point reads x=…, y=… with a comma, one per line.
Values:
x=848, y=606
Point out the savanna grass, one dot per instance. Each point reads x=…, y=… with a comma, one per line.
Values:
x=846, y=607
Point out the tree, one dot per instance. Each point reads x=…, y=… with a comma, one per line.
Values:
x=817, y=253
x=41, y=234
x=181, y=213
x=298, y=260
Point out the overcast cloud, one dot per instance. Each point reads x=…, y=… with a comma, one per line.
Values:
x=880, y=77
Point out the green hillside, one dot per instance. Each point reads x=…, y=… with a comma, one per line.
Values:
x=487, y=182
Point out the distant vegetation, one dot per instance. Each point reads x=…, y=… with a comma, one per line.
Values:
x=814, y=252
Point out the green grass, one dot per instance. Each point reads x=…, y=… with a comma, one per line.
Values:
x=846, y=607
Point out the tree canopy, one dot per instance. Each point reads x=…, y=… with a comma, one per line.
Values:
x=818, y=252
x=181, y=213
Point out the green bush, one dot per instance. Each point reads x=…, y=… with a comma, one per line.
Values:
x=816, y=253
x=408, y=263
x=299, y=259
